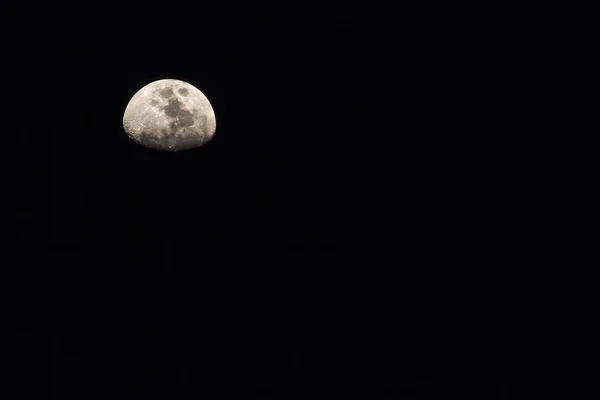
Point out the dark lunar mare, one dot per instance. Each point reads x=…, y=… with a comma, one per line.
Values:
x=173, y=108
x=183, y=118
x=166, y=93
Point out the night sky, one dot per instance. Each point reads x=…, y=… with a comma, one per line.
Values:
x=254, y=267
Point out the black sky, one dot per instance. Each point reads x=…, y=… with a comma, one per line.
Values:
x=247, y=268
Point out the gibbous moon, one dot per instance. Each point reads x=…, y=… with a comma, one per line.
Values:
x=170, y=115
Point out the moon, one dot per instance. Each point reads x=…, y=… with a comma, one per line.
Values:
x=169, y=115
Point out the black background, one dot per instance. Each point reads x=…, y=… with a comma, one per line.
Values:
x=261, y=265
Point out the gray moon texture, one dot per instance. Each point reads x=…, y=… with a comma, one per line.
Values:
x=169, y=115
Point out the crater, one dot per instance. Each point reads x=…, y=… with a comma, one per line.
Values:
x=174, y=127
x=189, y=141
x=203, y=121
x=183, y=91
x=148, y=139
x=168, y=134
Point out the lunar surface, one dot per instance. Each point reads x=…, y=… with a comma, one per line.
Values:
x=170, y=115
